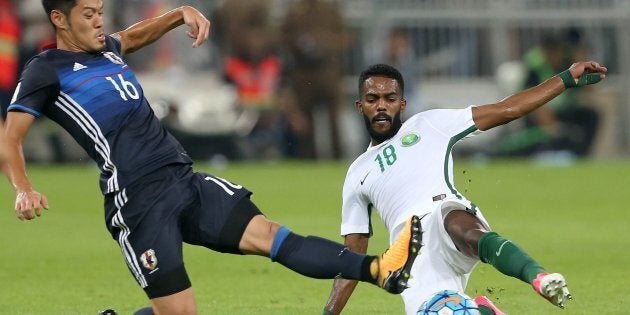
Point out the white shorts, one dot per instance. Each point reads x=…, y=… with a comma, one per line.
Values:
x=440, y=265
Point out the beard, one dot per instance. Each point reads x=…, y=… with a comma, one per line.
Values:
x=381, y=137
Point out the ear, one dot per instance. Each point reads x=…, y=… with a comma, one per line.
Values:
x=358, y=106
x=59, y=19
x=403, y=104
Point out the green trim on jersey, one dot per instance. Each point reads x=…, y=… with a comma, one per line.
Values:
x=369, y=210
x=449, y=149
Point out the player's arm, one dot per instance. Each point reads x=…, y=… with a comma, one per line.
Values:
x=148, y=31
x=28, y=202
x=520, y=104
x=342, y=288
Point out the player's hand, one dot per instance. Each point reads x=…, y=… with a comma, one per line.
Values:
x=29, y=204
x=199, y=25
x=587, y=72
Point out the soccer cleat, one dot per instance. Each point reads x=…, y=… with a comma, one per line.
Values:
x=394, y=266
x=552, y=287
x=108, y=312
x=486, y=307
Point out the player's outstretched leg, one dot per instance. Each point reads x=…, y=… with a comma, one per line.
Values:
x=320, y=258
x=486, y=307
x=552, y=287
x=394, y=266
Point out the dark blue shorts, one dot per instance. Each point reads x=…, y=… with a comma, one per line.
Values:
x=151, y=219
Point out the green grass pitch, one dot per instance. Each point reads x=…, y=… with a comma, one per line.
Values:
x=571, y=219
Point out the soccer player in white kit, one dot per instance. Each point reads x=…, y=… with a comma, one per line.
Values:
x=408, y=170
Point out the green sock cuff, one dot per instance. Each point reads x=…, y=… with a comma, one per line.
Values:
x=483, y=248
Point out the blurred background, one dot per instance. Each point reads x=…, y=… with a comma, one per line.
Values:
x=278, y=78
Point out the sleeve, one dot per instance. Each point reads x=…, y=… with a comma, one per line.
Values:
x=452, y=123
x=37, y=88
x=355, y=211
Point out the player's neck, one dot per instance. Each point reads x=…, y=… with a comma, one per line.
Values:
x=64, y=44
x=375, y=142
x=68, y=43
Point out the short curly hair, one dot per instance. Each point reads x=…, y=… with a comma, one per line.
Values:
x=64, y=6
x=382, y=70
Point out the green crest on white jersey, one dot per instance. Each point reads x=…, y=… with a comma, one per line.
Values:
x=410, y=139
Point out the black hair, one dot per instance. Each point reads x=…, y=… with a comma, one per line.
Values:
x=382, y=70
x=65, y=6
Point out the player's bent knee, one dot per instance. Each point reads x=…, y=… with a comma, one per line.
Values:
x=258, y=236
x=465, y=229
x=168, y=283
x=180, y=303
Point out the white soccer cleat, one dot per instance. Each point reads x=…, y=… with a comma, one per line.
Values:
x=552, y=287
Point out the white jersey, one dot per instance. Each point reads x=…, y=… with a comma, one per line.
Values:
x=406, y=174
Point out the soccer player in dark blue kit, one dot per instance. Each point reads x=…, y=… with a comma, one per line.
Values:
x=154, y=201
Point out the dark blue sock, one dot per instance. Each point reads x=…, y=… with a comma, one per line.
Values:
x=144, y=311
x=319, y=258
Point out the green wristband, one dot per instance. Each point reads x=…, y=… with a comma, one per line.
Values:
x=327, y=312
x=567, y=79
x=585, y=79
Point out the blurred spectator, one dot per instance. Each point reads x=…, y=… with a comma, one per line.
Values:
x=9, y=52
x=251, y=65
x=565, y=124
x=163, y=56
x=314, y=36
x=159, y=56
x=399, y=53
x=164, y=50
x=233, y=19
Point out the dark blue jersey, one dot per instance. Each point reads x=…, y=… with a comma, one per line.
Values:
x=97, y=99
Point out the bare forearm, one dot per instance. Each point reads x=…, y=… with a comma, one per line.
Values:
x=517, y=105
x=520, y=104
x=15, y=167
x=15, y=130
x=148, y=31
x=28, y=202
x=342, y=289
x=528, y=100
